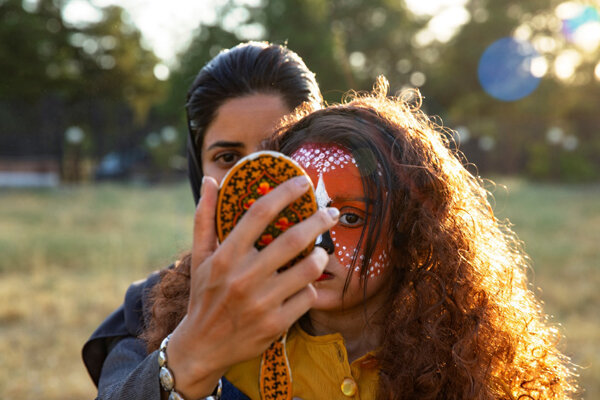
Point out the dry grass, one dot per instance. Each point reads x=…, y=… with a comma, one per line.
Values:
x=560, y=226
x=67, y=257
x=69, y=254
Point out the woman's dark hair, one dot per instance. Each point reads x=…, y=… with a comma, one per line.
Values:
x=248, y=68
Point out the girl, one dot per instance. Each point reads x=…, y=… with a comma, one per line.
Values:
x=424, y=294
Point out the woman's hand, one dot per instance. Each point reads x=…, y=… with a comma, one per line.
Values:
x=239, y=303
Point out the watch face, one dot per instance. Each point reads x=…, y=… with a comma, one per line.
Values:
x=252, y=177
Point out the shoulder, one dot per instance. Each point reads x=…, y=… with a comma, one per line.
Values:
x=127, y=320
x=133, y=307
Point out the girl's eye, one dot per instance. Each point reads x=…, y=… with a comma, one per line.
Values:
x=226, y=160
x=351, y=219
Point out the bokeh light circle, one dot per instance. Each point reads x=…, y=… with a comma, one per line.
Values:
x=580, y=25
x=583, y=15
x=505, y=69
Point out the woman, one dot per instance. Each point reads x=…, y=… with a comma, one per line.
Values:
x=235, y=101
x=424, y=295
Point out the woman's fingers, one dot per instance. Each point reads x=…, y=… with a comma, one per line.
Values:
x=205, y=238
x=289, y=244
x=297, y=305
x=262, y=212
x=286, y=296
x=302, y=274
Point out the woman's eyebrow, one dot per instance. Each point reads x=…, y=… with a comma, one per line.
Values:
x=225, y=143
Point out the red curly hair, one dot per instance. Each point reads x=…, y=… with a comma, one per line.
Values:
x=462, y=322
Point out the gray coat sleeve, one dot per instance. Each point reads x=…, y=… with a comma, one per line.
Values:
x=129, y=373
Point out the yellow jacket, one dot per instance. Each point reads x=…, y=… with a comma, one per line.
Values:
x=319, y=369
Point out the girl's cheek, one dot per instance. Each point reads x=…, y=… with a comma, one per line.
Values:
x=378, y=263
x=345, y=247
x=345, y=251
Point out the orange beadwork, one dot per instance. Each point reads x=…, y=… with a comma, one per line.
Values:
x=275, y=376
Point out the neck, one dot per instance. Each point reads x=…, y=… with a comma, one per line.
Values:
x=360, y=326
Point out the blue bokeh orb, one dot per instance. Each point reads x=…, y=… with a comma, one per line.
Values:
x=505, y=69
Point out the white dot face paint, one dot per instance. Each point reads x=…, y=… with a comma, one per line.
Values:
x=339, y=184
x=323, y=160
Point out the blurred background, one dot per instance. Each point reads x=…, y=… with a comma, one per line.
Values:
x=92, y=134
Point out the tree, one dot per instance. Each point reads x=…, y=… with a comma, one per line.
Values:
x=517, y=131
x=95, y=76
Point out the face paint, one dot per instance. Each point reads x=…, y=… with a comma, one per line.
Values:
x=338, y=183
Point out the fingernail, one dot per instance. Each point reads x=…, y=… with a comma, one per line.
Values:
x=202, y=186
x=333, y=212
x=301, y=181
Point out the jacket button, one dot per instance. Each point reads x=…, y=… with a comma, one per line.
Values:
x=349, y=387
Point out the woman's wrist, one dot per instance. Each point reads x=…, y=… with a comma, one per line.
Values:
x=183, y=392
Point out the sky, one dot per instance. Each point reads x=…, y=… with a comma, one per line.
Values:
x=167, y=26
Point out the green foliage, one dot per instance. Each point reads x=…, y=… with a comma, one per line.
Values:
x=164, y=148
x=102, y=74
x=206, y=44
x=116, y=65
x=349, y=43
x=54, y=75
x=43, y=54
x=575, y=167
x=540, y=165
x=35, y=51
x=546, y=162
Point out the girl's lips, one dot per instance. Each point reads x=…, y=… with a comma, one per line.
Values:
x=325, y=276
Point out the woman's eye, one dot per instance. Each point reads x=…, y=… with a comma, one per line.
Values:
x=226, y=160
x=351, y=219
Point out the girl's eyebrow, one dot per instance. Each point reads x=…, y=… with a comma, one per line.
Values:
x=225, y=143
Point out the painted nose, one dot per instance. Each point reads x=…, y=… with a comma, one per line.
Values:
x=324, y=241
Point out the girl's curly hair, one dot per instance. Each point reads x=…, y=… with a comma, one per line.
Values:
x=461, y=322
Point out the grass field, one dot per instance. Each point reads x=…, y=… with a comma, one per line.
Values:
x=68, y=254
